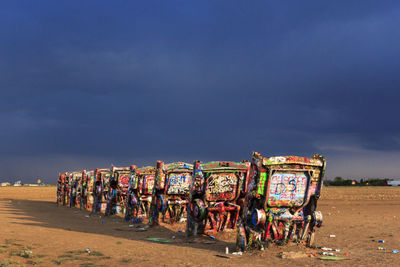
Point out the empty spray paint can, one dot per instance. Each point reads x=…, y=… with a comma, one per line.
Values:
x=327, y=253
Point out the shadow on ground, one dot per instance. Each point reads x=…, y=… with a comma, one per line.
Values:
x=50, y=215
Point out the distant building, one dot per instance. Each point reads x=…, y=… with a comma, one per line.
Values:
x=393, y=183
x=18, y=183
x=5, y=184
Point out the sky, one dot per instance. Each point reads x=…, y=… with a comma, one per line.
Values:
x=88, y=84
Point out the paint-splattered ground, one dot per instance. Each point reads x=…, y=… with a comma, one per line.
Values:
x=35, y=231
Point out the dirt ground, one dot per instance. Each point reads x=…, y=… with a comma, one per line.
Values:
x=34, y=230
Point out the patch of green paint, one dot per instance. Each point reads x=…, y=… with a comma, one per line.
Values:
x=158, y=240
x=261, y=183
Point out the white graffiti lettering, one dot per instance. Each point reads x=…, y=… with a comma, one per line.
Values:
x=222, y=183
x=179, y=183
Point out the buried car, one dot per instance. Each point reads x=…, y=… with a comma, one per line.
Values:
x=171, y=191
x=72, y=183
x=132, y=207
x=60, y=189
x=144, y=183
x=216, y=196
x=100, y=189
x=87, y=199
x=78, y=189
x=281, y=200
x=118, y=190
x=66, y=189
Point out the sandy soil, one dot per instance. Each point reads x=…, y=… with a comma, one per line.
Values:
x=30, y=220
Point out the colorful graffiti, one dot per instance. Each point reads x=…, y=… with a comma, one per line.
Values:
x=179, y=183
x=148, y=184
x=124, y=180
x=280, y=204
x=287, y=187
x=170, y=194
x=222, y=186
x=271, y=199
x=222, y=183
x=216, y=196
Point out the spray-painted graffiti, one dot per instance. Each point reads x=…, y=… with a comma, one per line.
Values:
x=222, y=183
x=148, y=184
x=179, y=183
x=288, y=187
x=124, y=181
x=106, y=181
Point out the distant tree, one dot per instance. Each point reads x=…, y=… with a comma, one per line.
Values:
x=338, y=179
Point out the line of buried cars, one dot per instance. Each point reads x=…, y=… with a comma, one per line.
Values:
x=268, y=200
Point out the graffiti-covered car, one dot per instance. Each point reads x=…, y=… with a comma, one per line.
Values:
x=73, y=183
x=132, y=202
x=90, y=179
x=67, y=189
x=87, y=190
x=77, y=177
x=171, y=191
x=281, y=201
x=100, y=189
x=119, y=184
x=60, y=189
x=216, y=196
x=145, y=183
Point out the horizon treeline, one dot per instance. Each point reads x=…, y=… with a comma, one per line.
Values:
x=339, y=181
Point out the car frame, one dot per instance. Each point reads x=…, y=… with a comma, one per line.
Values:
x=171, y=191
x=216, y=196
x=281, y=200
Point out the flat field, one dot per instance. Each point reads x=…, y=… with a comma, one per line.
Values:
x=34, y=230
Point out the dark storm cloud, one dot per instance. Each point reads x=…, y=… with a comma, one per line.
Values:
x=86, y=84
